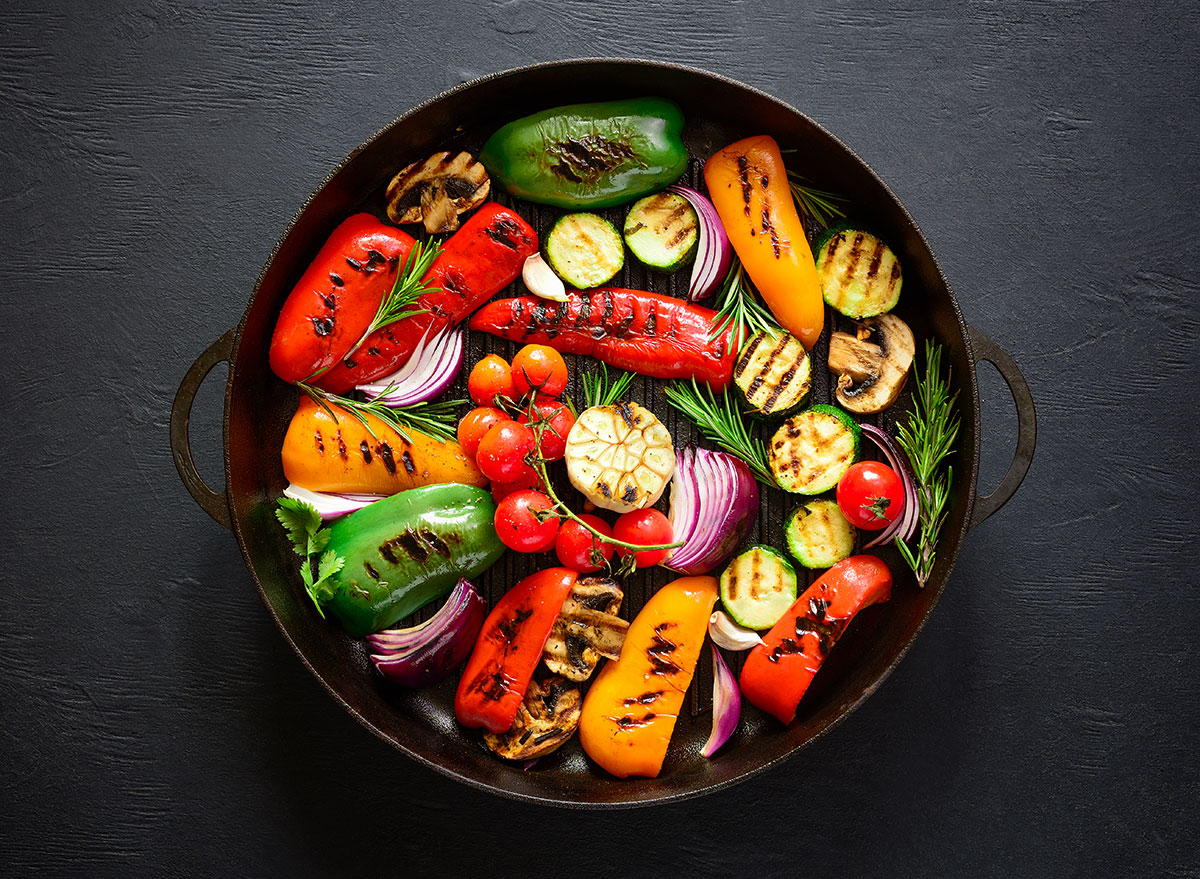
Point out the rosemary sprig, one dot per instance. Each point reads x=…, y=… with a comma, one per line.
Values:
x=738, y=308
x=601, y=390
x=435, y=419
x=927, y=439
x=409, y=285
x=720, y=422
x=819, y=204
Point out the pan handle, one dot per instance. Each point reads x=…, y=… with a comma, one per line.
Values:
x=986, y=349
x=212, y=502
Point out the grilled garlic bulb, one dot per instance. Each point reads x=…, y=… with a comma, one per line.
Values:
x=621, y=457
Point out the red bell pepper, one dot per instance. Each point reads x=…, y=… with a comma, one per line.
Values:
x=777, y=672
x=336, y=298
x=477, y=262
x=509, y=649
x=632, y=329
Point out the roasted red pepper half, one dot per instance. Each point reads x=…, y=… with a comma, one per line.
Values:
x=477, y=262
x=777, y=672
x=632, y=329
x=509, y=649
x=336, y=298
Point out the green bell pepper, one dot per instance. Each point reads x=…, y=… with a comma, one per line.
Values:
x=589, y=155
x=406, y=550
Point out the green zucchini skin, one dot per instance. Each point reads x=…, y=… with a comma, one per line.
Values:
x=757, y=587
x=818, y=535
x=407, y=550
x=662, y=231
x=812, y=450
x=585, y=250
x=860, y=275
x=774, y=373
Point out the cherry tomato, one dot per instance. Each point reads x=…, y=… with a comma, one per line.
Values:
x=577, y=547
x=475, y=424
x=539, y=368
x=503, y=451
x=501, y=490
x=558, y=422
x=526, y=521
x=490, y=378
x=871, y=495
x=646, y=527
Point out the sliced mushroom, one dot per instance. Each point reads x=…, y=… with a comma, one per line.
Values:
x=586, y=629
x=547, y=717
x=437, y=190
x=873, y=367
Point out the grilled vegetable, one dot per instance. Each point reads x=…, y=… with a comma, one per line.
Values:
x=587, y=628
x=589, y=155
x=407, y=550
x=336, y=298
x=810, y=451
x=662, y=231
x=330, y=450
x=635, y=330
x=774, y=372
x=437, y=190
x=510, y=644
x=818, y=535
x=727, y=705
x=748, y=185
x=757, y=587
x=776, y=674
x=714, y=253
x=860, y=276
x=620, y=457
x=630, y=709
x=714, y=503
x=585, y=250
x=546, y=719
x=478, y=261
x=427, y=653
x=873, y=367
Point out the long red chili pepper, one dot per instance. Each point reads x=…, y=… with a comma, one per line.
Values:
x=336, y=298
x=632, y=329
x=477, y=262
x=777, y=672
x=508, y=650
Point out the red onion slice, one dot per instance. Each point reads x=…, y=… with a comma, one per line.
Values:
x=427, y=653
x=903, y=526
x=714, y=503
x=727, y=705
x=429, y=371
x=714, y=253
x=331, y=506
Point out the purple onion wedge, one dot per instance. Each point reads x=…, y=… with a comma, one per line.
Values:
x=714, y=253
x=903, y=526
x=727, y=705
x=331, y=506
x=427, y=653
x=714, y=503
x=431, y=369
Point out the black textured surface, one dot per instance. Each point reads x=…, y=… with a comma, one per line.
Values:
x=154, y=721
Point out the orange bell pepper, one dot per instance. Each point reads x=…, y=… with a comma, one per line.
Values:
x=629, y=711
x=748, y=185
x=508, y=650
x=776, y=673
x=322, y=454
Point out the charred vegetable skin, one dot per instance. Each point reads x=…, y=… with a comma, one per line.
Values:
x=509, y=649
x=635, y=330
x=335, y=299
x=406, y=550
x=589, y=155
x=748, y=185
x=777, y=672
x=477, y=262
x=630, y=710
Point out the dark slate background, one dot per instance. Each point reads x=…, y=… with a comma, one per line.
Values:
x=153, y=720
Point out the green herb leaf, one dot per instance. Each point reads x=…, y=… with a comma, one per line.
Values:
x=819, y=204
x=927, y=439
x=438, y=419
x=301, y=520
x=303, y=525
x=601, y=390
x=739, y=310
x=721, y=422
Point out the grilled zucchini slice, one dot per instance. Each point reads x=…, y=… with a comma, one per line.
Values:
x=758, y=587
x=662, y=231
x=774, y=372
x=811, y=450
x=818, y=535
x=860, y=276
x=585, y=250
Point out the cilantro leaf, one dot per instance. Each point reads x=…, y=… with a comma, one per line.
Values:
x=301, y=520
x=303, y=524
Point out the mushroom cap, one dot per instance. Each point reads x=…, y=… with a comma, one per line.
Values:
x=873, y=367
x=437, y=190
